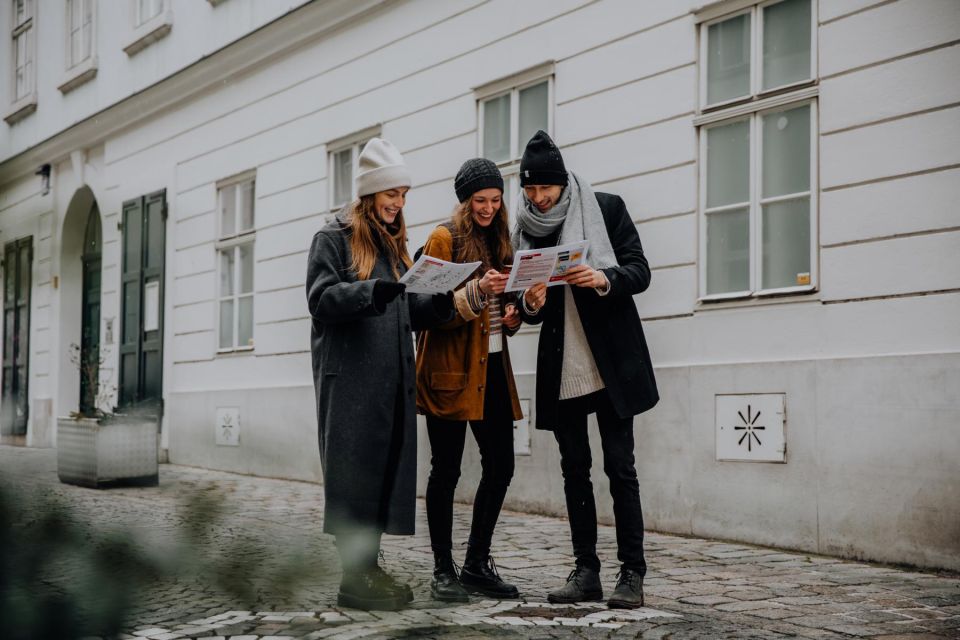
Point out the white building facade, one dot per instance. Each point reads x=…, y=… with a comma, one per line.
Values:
x=793, y=168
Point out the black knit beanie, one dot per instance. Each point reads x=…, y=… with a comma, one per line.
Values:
x=475, y=175
x=542, y=163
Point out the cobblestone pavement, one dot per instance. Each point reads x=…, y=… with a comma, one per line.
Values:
x=695, y=588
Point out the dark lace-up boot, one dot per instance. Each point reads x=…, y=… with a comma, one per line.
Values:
x=583, y=585
x=445, y=584
x=367, y=590
x=628, y=593
x=479, y=575
x=402, y=590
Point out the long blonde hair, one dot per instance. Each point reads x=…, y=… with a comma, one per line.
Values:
x=470, y=240
x=368, y=236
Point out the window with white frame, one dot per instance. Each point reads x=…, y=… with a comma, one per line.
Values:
x=758, y=151
x=235, y=261
x=147, y=9
x=23, y=48
x=343, y=156
x=79, y=31
x=510, y=112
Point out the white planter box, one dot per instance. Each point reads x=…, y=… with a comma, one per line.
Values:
x=122, y=450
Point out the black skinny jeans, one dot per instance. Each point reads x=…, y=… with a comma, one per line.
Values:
x=494, y=436
x=616, y=439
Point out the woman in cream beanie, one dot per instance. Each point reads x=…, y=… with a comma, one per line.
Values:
x=363, y=372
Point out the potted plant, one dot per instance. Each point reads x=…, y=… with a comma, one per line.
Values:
x=97, y=447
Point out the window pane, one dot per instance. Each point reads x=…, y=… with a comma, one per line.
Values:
x=226, y=273
x=786, y=244
x=342, y=176
x=149, y=9
x=22, y=11
x=496, y=128
x=226, y=324
x=728, y=251
x=245, y=322
x=728, y=164
x=76, y=44
x=533, y=111
x=786, y=152
x=728, y=59
x=511, y=186
x=786, y=43
x=228, y=211
x=248, y=198
x=246, y=269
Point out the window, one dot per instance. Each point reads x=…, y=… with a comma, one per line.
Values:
x=79, y=31
x=343, y=157
x=152, y=21
x=236, y=199
x=762, y=49
x=23, y=46
x=147, y=9
x=758, y=153
x=510, y=111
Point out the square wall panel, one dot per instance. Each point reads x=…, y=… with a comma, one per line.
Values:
x=750, y=427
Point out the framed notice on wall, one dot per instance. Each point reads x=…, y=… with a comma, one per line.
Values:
x=151, y=306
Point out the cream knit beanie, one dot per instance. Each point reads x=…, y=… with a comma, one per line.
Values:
x=381, y=168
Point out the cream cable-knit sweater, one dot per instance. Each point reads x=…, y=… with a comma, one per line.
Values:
x=579, y=376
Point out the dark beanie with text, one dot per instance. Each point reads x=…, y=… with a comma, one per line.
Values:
x=542, y=163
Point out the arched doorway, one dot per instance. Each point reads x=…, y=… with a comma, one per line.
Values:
x=80, y=306
x=90, y=313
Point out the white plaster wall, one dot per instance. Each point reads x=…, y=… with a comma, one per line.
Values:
x=198, y=29
x=625, y=99
x=871, y=473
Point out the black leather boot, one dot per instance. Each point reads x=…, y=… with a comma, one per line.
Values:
x=401, y=589
x=445, y=584
x=583, y=585
x=628, y=593
x=479, y=575
x=367, y=590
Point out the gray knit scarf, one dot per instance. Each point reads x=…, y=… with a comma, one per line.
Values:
x=578, y=216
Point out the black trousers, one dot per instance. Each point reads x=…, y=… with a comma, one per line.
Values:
x=494, y=436
x=616, y=440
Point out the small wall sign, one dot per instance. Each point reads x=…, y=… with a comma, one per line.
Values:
x=750, y=427
x=521, y=431
x=228, y=426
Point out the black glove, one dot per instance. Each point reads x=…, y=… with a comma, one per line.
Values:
x=443, y=304
x=385, y=292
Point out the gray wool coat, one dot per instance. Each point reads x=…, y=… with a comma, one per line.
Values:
x=363, y=374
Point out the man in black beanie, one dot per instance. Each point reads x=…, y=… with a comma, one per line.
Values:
x=592, y=358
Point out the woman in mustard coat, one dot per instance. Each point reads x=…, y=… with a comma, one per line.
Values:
x=464, y=376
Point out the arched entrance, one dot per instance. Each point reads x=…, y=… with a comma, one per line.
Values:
x=90, y=313
x=81, y=242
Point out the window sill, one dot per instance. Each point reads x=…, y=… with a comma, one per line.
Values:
x=149, y=32
x=21, y=108
x=81, y=73
x=235, y=353
x=793, y=295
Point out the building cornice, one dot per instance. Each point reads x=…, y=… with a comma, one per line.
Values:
x=276, y=39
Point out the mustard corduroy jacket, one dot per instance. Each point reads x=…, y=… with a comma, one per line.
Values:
x=452, y=359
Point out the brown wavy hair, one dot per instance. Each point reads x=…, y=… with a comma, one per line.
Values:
x=369, y=236
x=470, y=238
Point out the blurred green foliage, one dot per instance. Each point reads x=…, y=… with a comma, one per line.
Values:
x=63, y=578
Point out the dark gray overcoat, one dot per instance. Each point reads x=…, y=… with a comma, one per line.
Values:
x=363, y=374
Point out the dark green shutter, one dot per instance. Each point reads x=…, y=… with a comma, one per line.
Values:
x=17, y=271
x=141, y=346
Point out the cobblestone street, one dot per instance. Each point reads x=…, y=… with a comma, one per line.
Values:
x=695, y=588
